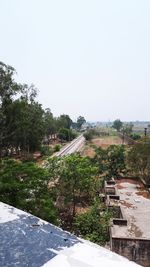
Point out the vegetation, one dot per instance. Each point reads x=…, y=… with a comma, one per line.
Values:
x=117, y=124
x=139, y=161
x=59, y=191
x=25, y=186
x=24, y=124
x=135, y=136
x=80, y=121
x=65, y=134
x=76, y=181
x=91, y=133
x=94, y=224
x=110, y=161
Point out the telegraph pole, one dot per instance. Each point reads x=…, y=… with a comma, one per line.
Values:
x=145, y=133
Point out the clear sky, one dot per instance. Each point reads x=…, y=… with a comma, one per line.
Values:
x=86, y=57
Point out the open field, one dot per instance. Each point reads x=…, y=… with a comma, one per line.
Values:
x=103, y=142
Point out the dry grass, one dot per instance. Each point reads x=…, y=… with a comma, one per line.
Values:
x=103, y=142
x=107, y=141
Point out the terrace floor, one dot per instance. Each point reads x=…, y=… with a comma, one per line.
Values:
x=135, y=203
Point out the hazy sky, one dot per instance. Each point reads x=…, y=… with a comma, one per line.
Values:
x=86, y=57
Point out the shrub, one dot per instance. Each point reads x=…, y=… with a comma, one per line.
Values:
x=93, y=225
x=46, y=150
x=57, y=148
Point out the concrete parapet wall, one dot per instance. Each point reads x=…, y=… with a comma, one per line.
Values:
x=137, y=250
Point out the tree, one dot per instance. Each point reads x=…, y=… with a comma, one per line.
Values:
x=127, y=128
x=8, y=89
x=28, y=125
x=115, y=160
x=75, y=180
x=93, y=224
x=117, y=124
x=139, y=160
x=66, y=134
x=111, y=161
x=80, y=121
x=21, y=117
x=49, y=123
x=64, y=121
x=25, y=186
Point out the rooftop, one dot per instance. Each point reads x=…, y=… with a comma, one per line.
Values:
x=135, y=203
x=29, y=241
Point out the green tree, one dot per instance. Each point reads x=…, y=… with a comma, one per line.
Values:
x=80, y=121
x=117, y=124
x=128, y=128
x=28, y=124
x=66, y=134
x=75, y=179
x=64, y=121
x=8, y=89
x=110, y=161
x=21, y=117
x=50, y=123
x=93, y=224
x=139, y=161
x=115, y=160
x=25, y=186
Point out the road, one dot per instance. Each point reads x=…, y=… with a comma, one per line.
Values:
x=73, y=147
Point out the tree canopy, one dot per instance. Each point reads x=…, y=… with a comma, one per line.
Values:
x=117, y=124
x=23, y=122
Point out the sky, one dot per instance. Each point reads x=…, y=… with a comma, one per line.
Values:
x=86, y=57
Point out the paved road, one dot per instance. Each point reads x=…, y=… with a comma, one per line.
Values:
x=73, y=147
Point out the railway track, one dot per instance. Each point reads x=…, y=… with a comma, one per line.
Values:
x=73, y=147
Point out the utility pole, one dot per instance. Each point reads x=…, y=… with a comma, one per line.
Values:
x=145, y=133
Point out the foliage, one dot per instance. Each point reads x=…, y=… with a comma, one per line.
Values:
x=46, y=150
x=90, y=134
x=93, y=224
x=139, y=160
x=66, y=134
x=80, y=121
x=115, y=160
x=25, y=186
x=57, y=147
x=75, y=175
x=64, y=121
x=117, y=124
x=110, y=161
x=50, y=123
x=23, y=122
x=127, y=128
x=135, y=136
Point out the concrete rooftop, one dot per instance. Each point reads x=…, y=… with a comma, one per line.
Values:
x=27, y=241
x=135, y=202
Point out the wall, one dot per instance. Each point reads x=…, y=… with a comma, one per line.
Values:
x=137, y=250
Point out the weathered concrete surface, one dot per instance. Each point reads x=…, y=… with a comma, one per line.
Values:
x=27, y=241
x=133, y=240
x=134, y=249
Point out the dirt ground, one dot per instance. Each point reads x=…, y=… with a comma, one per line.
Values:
x=107, y=141
x=103, y=142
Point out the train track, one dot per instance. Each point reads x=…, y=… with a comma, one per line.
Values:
x=73, y=147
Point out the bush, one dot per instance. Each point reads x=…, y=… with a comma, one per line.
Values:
x=93, y=225
x=66, y=134
x=57, y=148
x=46, y=150
x=135, y=136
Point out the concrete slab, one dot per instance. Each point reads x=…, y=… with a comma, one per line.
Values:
x=135, y=203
